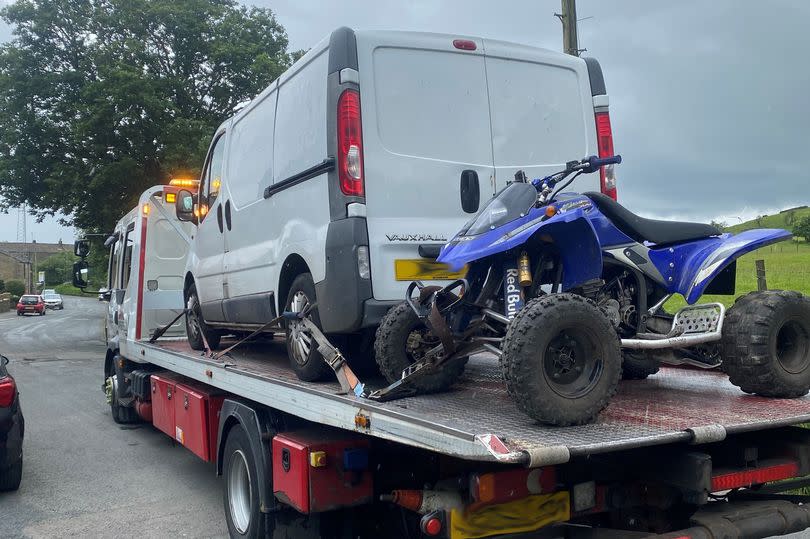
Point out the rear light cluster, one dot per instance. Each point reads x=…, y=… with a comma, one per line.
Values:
x=7, y=391
x=350, y=144
x=755, y=476
x=604, y=136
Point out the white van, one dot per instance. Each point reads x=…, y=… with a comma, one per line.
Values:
x=342, y=179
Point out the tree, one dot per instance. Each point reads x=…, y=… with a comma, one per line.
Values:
x=58, y=268
x=721, y=225
x=100, y=99
x=802, y=228
x=2, y=285
x=15, y=288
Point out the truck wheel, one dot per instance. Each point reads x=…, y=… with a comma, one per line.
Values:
x=10, y=477
x=302, y=349
x=561, y=359
x=196, y=326
x=766, y=343
x=402, y=339
x=241, y=486
x=638, y=365
x=122, y=415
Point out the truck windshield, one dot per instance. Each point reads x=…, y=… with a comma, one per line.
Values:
x=511, y=203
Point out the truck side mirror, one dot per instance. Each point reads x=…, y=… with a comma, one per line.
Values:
x=81, y=248
x=184, y=206
x=80, y=270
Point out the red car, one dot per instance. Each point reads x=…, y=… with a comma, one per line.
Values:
x=31, y=304
x=12, y=429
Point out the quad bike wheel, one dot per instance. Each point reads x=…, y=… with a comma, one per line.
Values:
x=561, y=359
x=766, y=343
x=637, y=365
x=402, y=339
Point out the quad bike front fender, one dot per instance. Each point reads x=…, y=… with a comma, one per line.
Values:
x=691, y=267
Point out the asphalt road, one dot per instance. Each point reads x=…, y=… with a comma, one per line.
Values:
x=84, y=475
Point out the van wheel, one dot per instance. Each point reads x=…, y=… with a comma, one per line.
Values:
x=302, y=349
x=196, y=326
x=241, y=486
x=766, y=343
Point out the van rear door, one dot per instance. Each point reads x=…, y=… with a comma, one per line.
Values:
x=542, y=112
x=425, y=114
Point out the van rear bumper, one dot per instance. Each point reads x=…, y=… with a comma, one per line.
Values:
x=342, y=294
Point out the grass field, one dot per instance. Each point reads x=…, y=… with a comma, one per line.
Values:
x=778, y=220
x=787, y=267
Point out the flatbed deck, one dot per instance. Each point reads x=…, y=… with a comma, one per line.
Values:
x=477, y=420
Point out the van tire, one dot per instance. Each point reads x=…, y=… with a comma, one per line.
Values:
x=391, y=351
x=766, y=343
x=196, y=326
x=561, y=360
x=308, y=366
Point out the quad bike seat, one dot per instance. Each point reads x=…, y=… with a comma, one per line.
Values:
x=650, y=230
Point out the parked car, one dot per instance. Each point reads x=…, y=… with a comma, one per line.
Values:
x=53, y=301
x=31, y=303
x=355, y=195
x=12, y=429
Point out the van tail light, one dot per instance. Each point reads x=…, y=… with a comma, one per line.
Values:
x=350, y=144
x=7, y=391
x=604, y=136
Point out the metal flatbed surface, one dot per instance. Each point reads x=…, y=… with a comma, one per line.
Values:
x=477, y=419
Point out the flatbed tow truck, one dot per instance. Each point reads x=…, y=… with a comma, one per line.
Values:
x=682, y=454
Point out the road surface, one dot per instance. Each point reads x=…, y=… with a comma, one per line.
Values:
x=83, y=474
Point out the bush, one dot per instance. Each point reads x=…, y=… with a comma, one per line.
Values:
x=2, y=285
x=15, y=288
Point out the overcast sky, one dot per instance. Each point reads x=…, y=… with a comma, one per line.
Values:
x=708, y=100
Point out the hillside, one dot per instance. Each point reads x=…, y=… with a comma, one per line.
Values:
x=779, y=220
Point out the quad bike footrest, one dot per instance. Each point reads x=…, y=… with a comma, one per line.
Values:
x=692, y=325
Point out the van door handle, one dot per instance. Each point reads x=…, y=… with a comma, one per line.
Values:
x=228, y=214
x=219, y=217
x=470, y=191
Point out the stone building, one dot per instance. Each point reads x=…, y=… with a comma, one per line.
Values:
x=14, y=254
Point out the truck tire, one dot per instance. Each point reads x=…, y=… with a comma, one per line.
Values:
x=241, y=492
x=196, y=326
x=561, y=359
x=123, y=415
x=638, y=365
x=398, y=336
x=305, y=360
x=10, y=477
x=766, y=343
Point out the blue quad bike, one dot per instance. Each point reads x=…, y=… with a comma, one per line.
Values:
x=568, y=290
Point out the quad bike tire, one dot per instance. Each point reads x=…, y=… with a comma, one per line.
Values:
x=549, y=338
x=638, y=365
x=392, y=356
x=196, y=326
x=766, y=343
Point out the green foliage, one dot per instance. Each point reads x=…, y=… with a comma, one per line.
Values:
x=15, y=288
x=99, y=99
x=722, y=225
x=802, y=228
x=67, y=289
x=2, y=285
x=57, y=268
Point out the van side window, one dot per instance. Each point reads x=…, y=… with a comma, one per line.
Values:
x=212, y=178
x=127, y=265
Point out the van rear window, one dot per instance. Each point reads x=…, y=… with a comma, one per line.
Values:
x=432, y=104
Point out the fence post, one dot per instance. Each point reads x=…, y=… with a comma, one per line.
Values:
x=761, y=283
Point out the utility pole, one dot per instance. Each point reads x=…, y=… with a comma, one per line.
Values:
x=568, y=18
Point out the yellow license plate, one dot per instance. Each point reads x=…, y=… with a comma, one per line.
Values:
x=519, y=516
x=421, y=269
